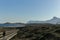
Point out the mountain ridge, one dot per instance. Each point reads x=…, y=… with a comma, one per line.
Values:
x=54, y=20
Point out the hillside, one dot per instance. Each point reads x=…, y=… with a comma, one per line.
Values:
x=54, y=20
x=38, y=32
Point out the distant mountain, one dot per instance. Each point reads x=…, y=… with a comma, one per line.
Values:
x=12, y=25
x=54, y=20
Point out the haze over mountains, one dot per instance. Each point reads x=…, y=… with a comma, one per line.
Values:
x=54, y=20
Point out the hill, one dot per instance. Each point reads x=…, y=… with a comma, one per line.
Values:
x=54, y=20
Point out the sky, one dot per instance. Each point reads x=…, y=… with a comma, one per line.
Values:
x=26, y=10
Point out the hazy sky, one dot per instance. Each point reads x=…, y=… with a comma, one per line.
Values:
x=25, y=10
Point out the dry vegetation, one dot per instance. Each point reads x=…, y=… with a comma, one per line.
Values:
x=38, y=32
